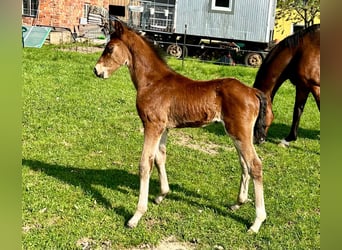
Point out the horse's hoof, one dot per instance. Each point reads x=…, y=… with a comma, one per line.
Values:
x=283, y=143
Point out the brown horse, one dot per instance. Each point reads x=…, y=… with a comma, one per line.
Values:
x=296, y=58
x=166, y=99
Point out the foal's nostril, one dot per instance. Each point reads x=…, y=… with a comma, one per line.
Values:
x=95, y=72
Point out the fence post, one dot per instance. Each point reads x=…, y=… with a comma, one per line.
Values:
x=183, y=52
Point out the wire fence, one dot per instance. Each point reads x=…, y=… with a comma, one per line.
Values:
x=93, y=38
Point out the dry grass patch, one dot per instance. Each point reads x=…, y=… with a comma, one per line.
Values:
x=170, y=243
x=181, y=138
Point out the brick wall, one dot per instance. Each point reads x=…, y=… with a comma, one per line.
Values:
x=62, y=13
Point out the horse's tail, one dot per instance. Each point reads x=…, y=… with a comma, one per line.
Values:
x=260, y=124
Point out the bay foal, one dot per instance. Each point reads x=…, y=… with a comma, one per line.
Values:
x=166, y=99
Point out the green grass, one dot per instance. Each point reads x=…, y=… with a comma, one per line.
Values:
x=82, y=142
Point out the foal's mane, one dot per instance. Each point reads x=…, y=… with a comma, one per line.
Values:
x=289, y=42
x=158, y=53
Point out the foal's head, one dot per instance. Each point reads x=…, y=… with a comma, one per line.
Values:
x=115, y=55
x=264, y=120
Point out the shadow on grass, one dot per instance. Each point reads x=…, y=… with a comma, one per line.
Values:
x=279, y=131
x=276, y=132
x=120, y=180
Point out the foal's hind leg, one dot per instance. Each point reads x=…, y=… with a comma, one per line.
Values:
x=151, y=141
x=160, y=163
x=244, y=183
x=251, y=166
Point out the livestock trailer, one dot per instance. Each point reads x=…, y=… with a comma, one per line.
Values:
x=240, y=30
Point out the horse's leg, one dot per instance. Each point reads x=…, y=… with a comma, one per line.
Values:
x=316, y=92
x=151, y=141
x=301, y=97
x=160, y=163
x=251, y=166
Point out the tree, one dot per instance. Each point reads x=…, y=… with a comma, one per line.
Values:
x=299, y=10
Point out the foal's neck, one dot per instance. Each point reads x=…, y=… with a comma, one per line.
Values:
x=146, y=66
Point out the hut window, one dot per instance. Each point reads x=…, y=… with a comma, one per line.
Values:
x=222, y=5
x=117, y=10
x=30, y=7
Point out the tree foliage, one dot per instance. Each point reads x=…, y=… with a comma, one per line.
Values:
x=299, y=10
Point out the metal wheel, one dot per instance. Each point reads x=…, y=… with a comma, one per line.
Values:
x=253, y=59
x=175, y=50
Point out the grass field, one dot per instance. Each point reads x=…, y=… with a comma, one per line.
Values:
x=81, y=144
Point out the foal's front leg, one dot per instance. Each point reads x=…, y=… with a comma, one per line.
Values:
x=151, y=141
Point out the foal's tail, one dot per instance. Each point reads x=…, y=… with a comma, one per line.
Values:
x=260, y=124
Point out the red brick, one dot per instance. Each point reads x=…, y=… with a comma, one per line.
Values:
x=61, y=13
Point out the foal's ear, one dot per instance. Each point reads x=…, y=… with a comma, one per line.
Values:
x=116, y=29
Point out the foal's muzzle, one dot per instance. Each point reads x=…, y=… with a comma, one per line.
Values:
x=101, y=75
x=260, y=140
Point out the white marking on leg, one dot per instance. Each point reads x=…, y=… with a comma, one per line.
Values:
x=284, y=143
x=145, y=168
x=143, y=199
x=259, y=206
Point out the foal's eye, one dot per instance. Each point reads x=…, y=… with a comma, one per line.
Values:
x=109, y=49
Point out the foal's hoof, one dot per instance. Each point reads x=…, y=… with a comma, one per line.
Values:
x=252, y=231
x=159, y=199
x=234, y=207
x=132, y=223
x=239, y=204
